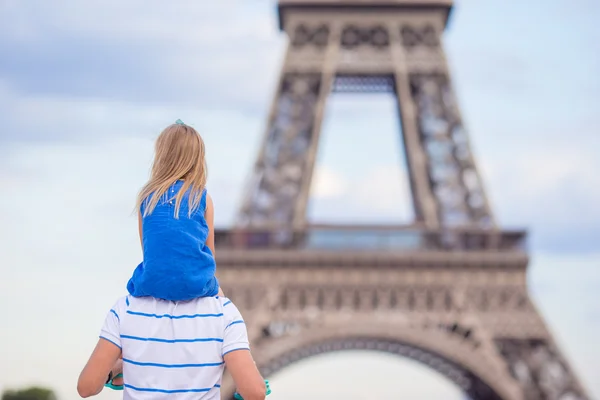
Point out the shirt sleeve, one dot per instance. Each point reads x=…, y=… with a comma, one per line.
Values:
x=236, y=335
x=112, y=326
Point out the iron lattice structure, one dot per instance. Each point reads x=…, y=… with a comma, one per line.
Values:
x=449, y=290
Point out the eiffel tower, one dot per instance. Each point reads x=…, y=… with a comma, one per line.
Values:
x=450, y=289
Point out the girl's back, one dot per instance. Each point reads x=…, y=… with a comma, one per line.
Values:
x=178, y=265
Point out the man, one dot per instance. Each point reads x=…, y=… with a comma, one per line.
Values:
x=173, y=350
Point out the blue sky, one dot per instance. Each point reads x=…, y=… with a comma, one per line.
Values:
x=86, y=87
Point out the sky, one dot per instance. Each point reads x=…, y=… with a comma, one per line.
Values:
x=85, y=88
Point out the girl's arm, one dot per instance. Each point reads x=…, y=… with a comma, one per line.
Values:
x=209, y=216
x=140, y=228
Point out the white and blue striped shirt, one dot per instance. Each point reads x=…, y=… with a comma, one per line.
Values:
x=174, y=349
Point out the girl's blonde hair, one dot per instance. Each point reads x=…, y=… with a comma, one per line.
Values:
x=179, y=154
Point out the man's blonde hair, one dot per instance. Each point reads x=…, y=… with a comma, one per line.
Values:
x=179, y=154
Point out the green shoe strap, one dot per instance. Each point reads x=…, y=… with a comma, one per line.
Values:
x=110, y=384
x=238, y=396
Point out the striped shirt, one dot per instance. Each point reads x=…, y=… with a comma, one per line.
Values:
x=172, y=349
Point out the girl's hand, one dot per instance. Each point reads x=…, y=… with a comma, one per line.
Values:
x=118, y=369
x=118, y=381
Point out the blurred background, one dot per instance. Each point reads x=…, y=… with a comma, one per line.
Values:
x=85, y=88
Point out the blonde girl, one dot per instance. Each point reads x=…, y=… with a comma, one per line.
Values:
x=176, y=222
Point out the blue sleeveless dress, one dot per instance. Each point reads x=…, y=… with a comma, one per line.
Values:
x=177, y=264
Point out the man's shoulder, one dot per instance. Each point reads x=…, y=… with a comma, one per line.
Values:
x=197, y=305
x=121, y=303
x=230, y=311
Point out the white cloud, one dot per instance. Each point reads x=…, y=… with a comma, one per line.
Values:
x=386, y=189
x=536, y=173
x=376, y=195
x=144, y=51
x=328, y=183
x=554, y=189
x=186, y=20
